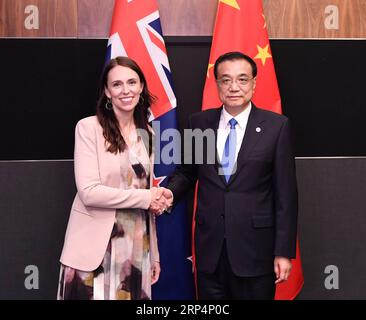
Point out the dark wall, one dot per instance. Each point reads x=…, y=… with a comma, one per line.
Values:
x=47, y=85
x=35, y=200
x=332, y=220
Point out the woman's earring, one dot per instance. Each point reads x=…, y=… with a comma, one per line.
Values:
x=108, y=105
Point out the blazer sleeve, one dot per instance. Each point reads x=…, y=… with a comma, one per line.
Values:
x=185, y=176
x=154, y=250
x=285, y=192
x=87, y=176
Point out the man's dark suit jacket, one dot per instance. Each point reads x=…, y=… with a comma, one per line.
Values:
x=256, y=211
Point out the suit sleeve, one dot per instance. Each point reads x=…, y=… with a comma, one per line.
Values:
x=88, y=182
x=285, y=192
x=185, y=176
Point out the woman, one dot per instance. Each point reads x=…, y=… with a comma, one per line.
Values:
x=110, y=250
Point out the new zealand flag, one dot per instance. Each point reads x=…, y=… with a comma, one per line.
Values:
x=136, y=32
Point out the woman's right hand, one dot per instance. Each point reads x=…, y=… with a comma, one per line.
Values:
x=161, y=199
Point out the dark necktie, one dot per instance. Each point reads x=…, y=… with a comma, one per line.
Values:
x=228, y=157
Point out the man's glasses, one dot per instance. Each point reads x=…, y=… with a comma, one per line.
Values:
x=228, y=82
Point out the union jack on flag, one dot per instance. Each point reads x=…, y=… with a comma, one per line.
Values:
x=136, y=32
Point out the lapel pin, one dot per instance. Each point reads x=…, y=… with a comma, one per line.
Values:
x=258, y=129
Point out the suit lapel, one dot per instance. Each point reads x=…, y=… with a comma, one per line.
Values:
x=213, y=123
x=253, y=133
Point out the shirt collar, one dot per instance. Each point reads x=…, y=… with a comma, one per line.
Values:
x=241, y=118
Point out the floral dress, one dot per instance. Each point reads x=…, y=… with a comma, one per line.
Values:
x=124, y=273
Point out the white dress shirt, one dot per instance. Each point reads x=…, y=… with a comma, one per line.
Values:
x=224, y=129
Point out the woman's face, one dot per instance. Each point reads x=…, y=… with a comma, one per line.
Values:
x=123, y=88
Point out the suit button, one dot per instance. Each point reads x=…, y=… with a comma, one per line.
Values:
x=222, y=216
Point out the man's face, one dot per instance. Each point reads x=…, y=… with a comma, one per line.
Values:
x=235, y=84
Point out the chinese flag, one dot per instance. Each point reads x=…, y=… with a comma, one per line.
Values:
x=240, y=26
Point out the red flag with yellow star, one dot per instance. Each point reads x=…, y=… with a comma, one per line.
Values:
x=240, y=26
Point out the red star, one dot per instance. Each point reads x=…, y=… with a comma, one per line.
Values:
x=158, y=180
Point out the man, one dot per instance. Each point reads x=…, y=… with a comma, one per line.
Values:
x=246, y=218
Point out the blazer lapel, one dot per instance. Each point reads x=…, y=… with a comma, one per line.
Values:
x=110, y=160
x=251, y=137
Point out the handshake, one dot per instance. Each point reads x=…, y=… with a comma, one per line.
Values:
x=161, y=200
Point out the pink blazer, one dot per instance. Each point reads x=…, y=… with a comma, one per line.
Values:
x=97, y=176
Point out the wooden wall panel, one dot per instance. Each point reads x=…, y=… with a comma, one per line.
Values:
x=94, y=18
x=178, y=17
x=57, y=18
x=307, y=18
x=187, y=17
x=91, y=18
